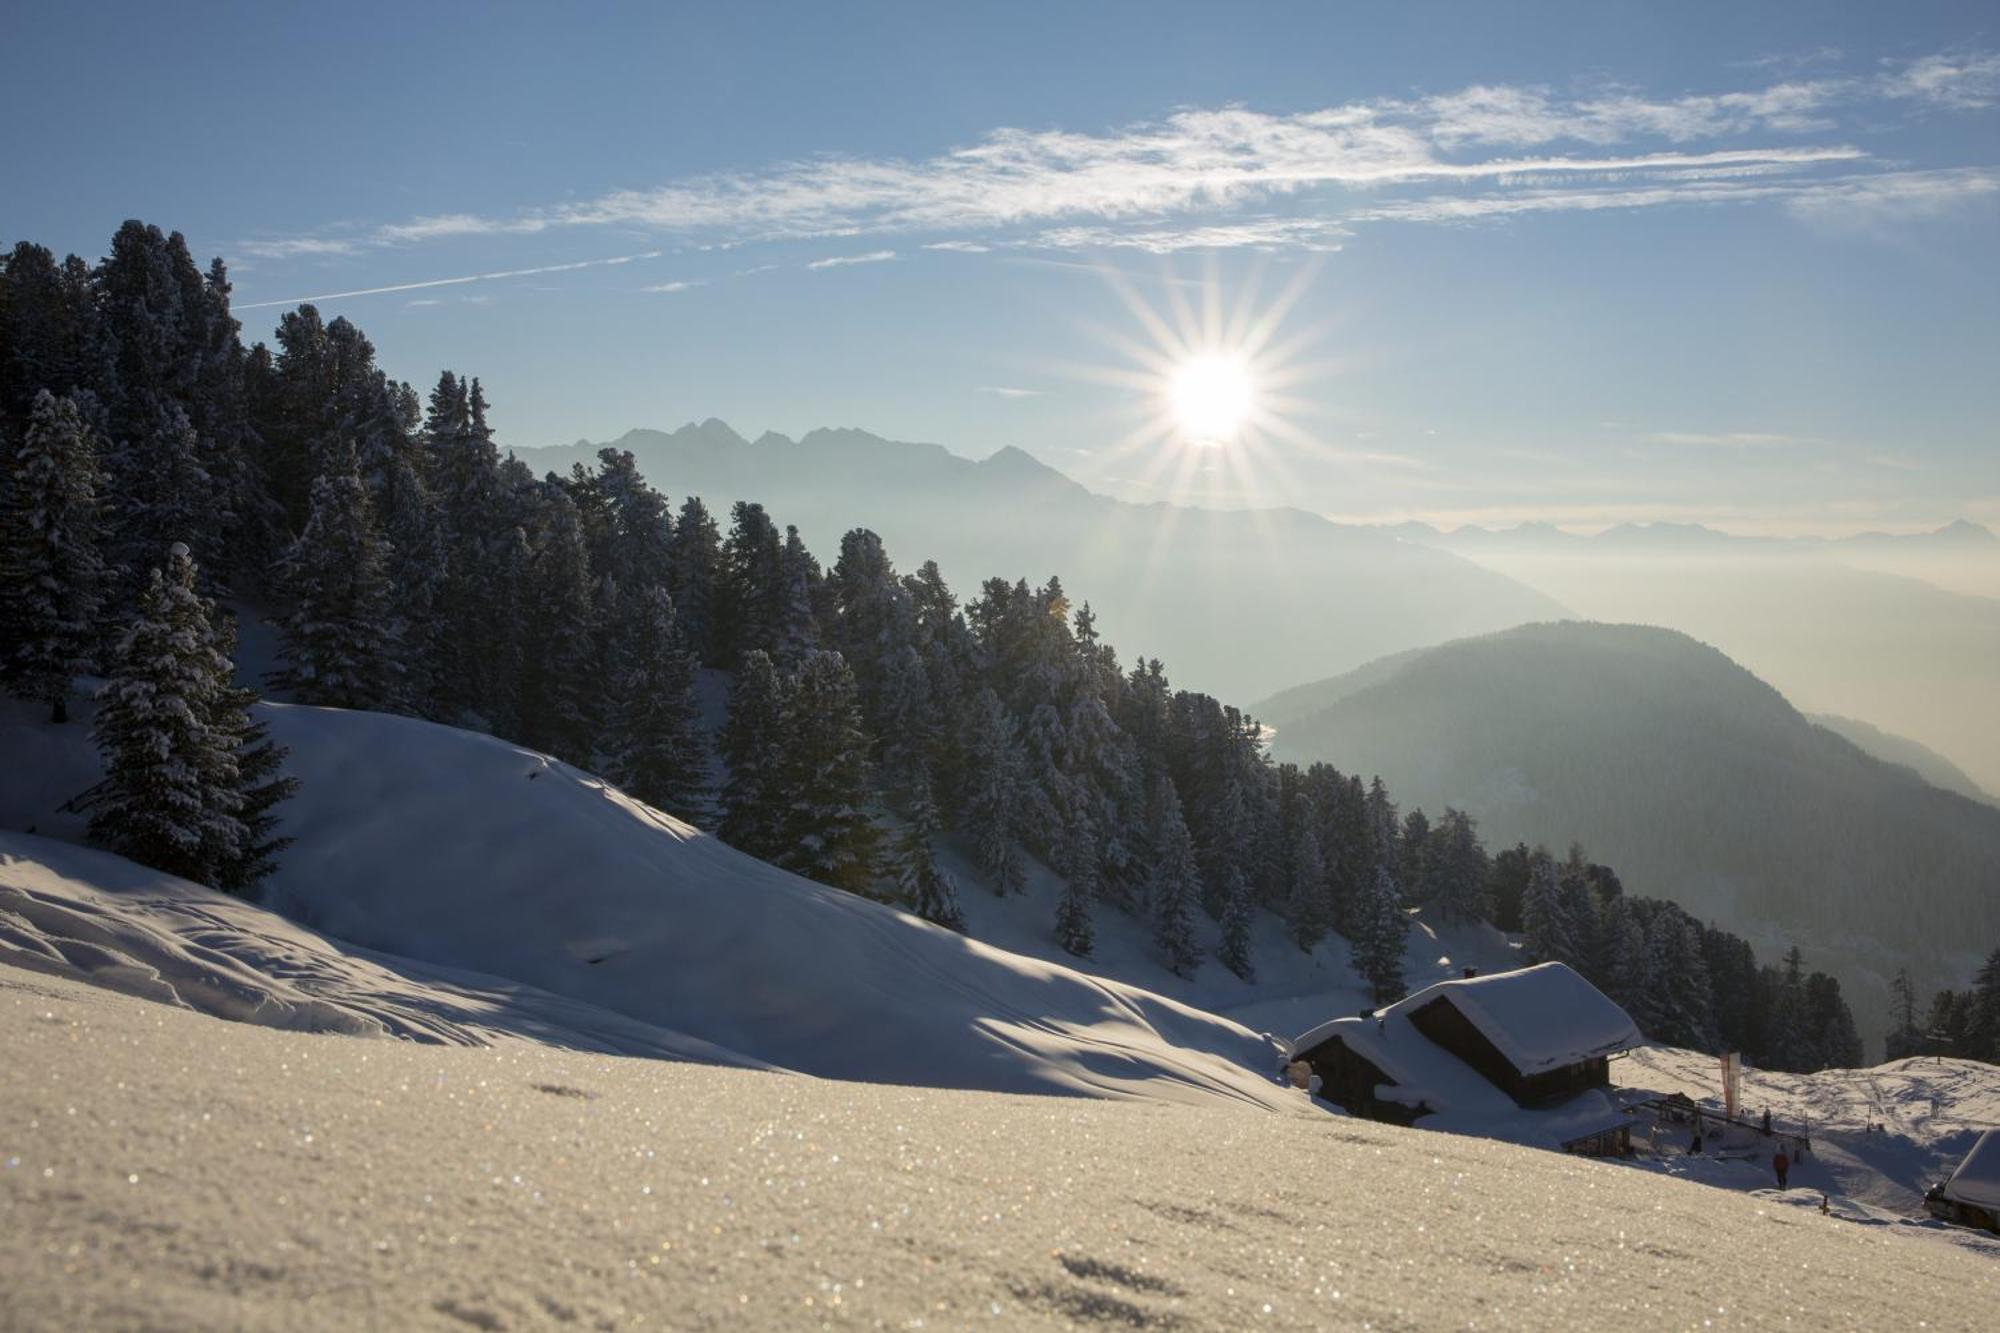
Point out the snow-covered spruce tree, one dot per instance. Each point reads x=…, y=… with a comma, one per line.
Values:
x=826, y=831
x=1681, y=1008
x=51, y=572
x=1905, y=1037
x=695, y=559
x=1383, y=928
x=796, y=632
x=1458, y=869
x=994, y=776
x=189, y=776
x=1176, y=883
x=759, y=715
x=655, y=748
x=1982, y=1020
x=339, y=645
x=1234, y=952
x=1074, y=931
x=557, y=671
x=924, y=886
x=1550, y=935
x=1305, y=903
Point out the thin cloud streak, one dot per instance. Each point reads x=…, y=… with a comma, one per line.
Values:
x=842, y=261
x=452, y=282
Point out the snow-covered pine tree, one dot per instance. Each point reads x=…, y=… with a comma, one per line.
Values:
x=1384, y=926
x=189, y=776
x=1905, y=1038
x=1550, y=936
x=339, y=646
x=655, y=747
x=796, y=632
x=1306, y=902
x=759, y=718
x=1682, y=1012
x=1074, y=931
x=1458, y=869
x=695, y=560
x=753, y=578
x=259, y=775
x=993, y=800
x=925, y=887
x=559, y=691
x=1176, y=883
x=51, y=572
x=1627, y=961
x=1982, y=1027
x=1415, y=866
x=827, y=832
x=1234, y=952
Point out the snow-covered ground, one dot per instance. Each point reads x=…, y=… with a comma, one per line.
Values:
x=464, y=852
x=161, y=1169
x=1880, y=1137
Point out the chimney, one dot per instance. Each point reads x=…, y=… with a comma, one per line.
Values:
x=1471, y=972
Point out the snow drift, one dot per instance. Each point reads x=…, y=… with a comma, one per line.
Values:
x=467, y=852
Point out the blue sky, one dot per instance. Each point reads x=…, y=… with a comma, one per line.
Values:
x=1584, y=261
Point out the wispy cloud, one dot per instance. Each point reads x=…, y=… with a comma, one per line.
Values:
x=842, y=261
x=295, y=247
x=1739, y=439
x=1004, y=391
x=679, y=285
x=1233, y=176
x=454, y=282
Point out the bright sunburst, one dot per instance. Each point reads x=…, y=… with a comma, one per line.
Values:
x=1213, y=396
x=1209, y=406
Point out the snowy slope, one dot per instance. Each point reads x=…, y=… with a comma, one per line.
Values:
x=423, y=1187
x=83, y=913
x=1880, y=1136
x=467, y=852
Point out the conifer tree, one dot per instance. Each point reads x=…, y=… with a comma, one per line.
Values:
x=1905, y=1038
x=1982, y=1028
x=1175, y=885
x=1305, y=905
x=695, y=565
x=189, y=776
x=51, y=572
x=926, y=888
x=993, y=802
x=1074, y=931
x=1234, y=952
x=559, y=689
x=759, y=713
x=339, y=647
x=654, y=744
x=1549, y=934
x=826, y=830
x=1378, y=946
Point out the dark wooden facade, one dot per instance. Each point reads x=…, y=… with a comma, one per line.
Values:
x=1442, y=1022
x=1348, y=1079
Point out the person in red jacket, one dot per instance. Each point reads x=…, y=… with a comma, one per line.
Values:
x=1782, y=1165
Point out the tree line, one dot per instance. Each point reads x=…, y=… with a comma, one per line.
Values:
x=153, y=463
x=1963, y=1024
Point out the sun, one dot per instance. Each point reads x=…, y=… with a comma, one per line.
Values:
x=1212, y=395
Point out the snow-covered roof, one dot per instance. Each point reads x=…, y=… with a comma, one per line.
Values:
x=1977, y=1180
x=1540, y=1018
x=1463, y=1101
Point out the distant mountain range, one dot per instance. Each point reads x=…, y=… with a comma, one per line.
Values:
x=1695, y=779
x=1235, y=602
x=1962, y=535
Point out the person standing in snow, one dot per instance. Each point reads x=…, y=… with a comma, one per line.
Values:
x=1783, y=1166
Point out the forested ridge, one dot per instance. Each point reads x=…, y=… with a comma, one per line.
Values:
x=153, y=463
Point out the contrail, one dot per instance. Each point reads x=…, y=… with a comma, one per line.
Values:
x=454, y=282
